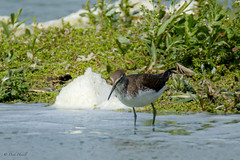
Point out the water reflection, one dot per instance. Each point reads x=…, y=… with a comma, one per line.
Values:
x=179, y=128
x=204, y=126
x=233, y=121
x=171, y=127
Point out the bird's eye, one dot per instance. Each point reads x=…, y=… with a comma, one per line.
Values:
x=121, y=77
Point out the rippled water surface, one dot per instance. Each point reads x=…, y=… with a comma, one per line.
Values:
x=32, y=131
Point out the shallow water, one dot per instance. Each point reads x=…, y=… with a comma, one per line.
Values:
x=32, y=131
x=44, y=10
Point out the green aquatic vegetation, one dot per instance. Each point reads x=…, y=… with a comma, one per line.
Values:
x=192, y=39
x=59, y=51
x=204, y=126
x=11, y=26
x=207, y=92
x=106, y=13
x=107, y=17
x=128, y=16
x=177, y=132
x=233, y=121
x=156, y=41
x=13, y=86
x=181, y=83
x=170, y=122
x=213, y=121
x=157, y=26
x=214, y=38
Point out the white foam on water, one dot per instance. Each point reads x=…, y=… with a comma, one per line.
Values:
x=88, y=91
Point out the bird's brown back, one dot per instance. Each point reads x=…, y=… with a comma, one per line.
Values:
x=147, y=81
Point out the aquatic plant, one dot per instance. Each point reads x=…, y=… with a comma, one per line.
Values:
x=101, y=14
x=208, y=94
x=209, y=36
x=191, y=39
x=182, y=84
x=107, y=16
x=157, y=26
x=11, y=26
x=125, y=7
x=13, y=86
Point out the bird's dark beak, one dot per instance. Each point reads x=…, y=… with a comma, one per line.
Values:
x=114, y=86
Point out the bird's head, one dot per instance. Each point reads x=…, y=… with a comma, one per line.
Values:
x=117, y=77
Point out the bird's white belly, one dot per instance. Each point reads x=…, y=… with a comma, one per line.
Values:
x=141, y=99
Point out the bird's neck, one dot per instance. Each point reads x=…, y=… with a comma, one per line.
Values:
x=122, y=86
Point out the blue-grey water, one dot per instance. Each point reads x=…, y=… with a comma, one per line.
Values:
x=35, y=132
x=44, y=10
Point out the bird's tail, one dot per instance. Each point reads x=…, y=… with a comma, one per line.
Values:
x=167, y=74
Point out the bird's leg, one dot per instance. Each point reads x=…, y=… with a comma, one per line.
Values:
x=154, y=114
x=135, y=116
